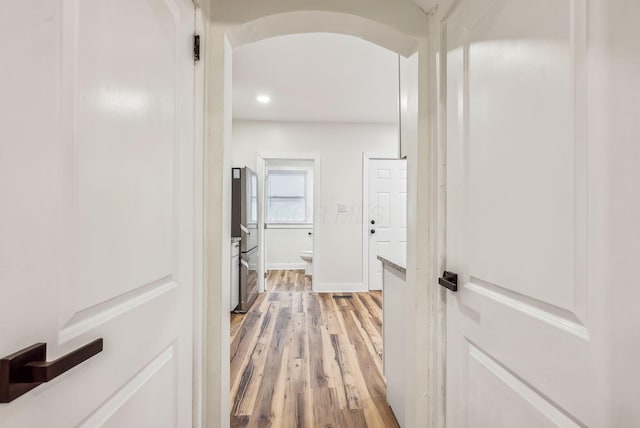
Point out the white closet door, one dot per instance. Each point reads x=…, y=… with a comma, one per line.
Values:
x=522, y=344
x=96, y=178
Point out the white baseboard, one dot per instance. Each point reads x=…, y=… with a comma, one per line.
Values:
x=340, y=287
x=286, y=266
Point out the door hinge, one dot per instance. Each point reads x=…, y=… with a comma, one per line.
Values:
x=196, y=47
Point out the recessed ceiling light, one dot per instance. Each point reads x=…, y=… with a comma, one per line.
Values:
x=263, y=99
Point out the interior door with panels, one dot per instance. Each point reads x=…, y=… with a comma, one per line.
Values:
x=520, y=330
x=97, y=184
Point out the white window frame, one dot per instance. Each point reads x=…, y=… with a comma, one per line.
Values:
x=308, y=193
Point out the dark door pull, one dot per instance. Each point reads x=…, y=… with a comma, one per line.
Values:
x=28, y=368
x=449, y=280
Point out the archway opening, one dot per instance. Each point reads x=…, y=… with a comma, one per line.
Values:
x=224, y=37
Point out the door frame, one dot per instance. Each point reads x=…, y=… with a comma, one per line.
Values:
x=437, y=200
x=261, y=170
x=366, y=160
x=404, y=29
x=199, y=306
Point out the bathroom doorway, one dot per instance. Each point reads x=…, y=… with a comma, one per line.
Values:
x=287, y=214
x=287, y=211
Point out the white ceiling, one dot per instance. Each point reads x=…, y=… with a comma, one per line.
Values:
x=316, y=77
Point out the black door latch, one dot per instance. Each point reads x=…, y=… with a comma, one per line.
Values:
x=449, y=280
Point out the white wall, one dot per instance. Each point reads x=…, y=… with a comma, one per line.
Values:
x=284, y=245
x=338, y=250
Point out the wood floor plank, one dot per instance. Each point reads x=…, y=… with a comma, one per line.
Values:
x=272, y=366
x=369, y=320
x=277, y=402
x=364, y=334
x=352, y=418
x=373, y=310
x=236, y=323
x=352, y=386
x=374, y=379
x=243, y=343
x=325, y=408
x=315, y=327
x=303, y=360
x=297, y=409
x=299, y=339
x=373, y=415
x=332, y=369
x=239, y=421
x=245, y=391
x=329, y=313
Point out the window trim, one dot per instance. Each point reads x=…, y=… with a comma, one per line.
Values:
x=307, y=197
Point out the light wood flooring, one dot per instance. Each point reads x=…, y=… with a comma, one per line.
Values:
x=303, y=359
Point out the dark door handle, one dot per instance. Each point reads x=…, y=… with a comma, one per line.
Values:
x=373, y=231
x=373, y=222
x=449, y=280
x=28, y=368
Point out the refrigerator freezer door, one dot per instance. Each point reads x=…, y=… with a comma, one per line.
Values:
x=248, y=279
x=235, y=275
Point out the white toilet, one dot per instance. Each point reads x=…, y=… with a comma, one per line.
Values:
x=307, y=256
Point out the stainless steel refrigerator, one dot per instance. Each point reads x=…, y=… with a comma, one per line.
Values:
x=244, y=225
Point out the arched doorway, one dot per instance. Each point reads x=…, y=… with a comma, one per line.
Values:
x=401, y=28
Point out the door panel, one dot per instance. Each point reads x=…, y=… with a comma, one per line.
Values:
x=512, y=57
x=492, y=388
x=147, y=389
x=518, y=328
x=150, y=395
x=97, y=139
x=124, y=147
x=387, y=195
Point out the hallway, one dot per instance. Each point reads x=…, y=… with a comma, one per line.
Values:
x=301, y=359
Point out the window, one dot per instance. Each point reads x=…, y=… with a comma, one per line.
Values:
x=288, y=195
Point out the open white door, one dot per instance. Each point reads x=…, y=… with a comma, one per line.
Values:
x=386, y=215
x=520, y=330
x=96, y=183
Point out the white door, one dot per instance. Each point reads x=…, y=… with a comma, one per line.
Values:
x=386, y=216
x=521, y=335
x=96, y=225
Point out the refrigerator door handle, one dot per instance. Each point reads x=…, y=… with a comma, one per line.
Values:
x=250, y=252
